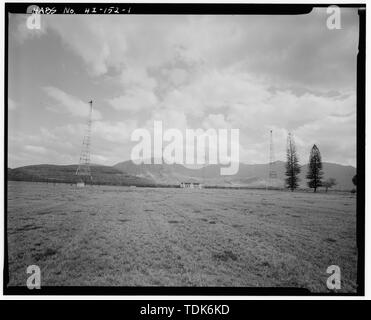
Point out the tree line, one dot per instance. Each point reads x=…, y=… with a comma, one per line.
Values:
x=315, y=172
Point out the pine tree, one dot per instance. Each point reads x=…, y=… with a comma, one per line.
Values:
x=292, y=164
x=315, y=173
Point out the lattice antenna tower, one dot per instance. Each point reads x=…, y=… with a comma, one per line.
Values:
x=83, y=171
x=272, y=170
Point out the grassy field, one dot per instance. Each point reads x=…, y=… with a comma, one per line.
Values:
x=121, y=236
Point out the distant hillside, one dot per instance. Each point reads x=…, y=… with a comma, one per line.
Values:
x=60, y=173
x=251, y=175
x=127, y=173
x=342, y=174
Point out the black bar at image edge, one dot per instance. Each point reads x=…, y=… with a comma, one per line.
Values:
x=171, y=8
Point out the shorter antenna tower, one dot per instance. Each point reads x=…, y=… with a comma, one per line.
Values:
x=272, y=174
x=83, y=171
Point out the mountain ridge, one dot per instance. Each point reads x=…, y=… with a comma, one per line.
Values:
x=128, y=173
x=253, y=175
x=105, y=175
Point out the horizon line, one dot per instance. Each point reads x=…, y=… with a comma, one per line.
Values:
x=182, y=164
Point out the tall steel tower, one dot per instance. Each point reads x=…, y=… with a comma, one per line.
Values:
x=272, y=170
x=83, y=171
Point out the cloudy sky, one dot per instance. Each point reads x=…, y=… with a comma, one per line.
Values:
x=253, y=73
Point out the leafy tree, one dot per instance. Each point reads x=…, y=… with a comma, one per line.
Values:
x=329, y=183
x=292, y=164
x=315, y=173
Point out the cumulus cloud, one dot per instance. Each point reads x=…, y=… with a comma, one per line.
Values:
x=254, y=73
x=62, y=144
x=20, y=31
x=36, y=149
x=215, y=121
x=69, y=104
x=114, y=131
x=135, y=99
x=100, y=47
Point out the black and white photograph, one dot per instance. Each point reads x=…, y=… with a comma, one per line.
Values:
x=190, y=149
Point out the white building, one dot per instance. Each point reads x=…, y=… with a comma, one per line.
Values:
x=191, y=185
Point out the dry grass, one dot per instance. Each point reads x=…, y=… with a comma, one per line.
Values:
x=117, y=236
